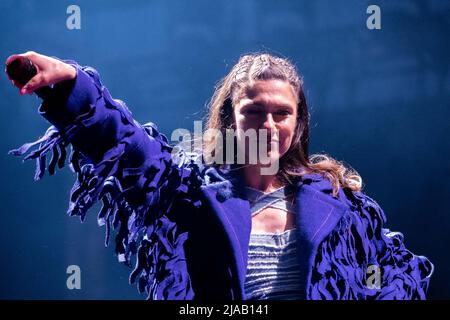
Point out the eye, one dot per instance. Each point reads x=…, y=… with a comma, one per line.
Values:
x=283, y=112
x=253, y=111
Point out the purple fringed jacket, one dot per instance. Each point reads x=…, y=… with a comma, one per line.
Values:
x=186, y=223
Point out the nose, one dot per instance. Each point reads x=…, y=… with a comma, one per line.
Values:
x=270, y=125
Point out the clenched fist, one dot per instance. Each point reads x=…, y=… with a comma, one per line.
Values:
x=49, y=71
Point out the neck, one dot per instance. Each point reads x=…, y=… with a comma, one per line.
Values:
x=253, y=178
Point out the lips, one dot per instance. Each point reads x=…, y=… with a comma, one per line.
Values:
x=273, y=144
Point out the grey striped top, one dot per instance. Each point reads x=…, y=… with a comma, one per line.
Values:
x=273, y=270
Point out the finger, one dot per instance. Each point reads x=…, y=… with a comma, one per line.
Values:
x=22, y=92
x=37, y=59
x=34, y=83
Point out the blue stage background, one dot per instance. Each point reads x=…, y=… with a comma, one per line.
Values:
x=379, y=101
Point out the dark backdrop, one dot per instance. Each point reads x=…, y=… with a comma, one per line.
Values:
x=378, y=98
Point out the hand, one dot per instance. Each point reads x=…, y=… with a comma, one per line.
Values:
x=49, y=71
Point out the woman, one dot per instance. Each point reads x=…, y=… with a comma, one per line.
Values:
x=217, y=224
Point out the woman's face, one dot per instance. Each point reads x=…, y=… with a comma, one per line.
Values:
x=270, y=105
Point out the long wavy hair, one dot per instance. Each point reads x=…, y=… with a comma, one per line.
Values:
x=296, y=161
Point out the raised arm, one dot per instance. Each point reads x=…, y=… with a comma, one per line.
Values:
x=130, y=167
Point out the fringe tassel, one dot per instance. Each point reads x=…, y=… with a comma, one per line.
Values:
x=360, y=241
x=145, y=230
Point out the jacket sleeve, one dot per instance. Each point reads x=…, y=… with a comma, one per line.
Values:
x=393, y=272
x=131, y=168
x=362, y=259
